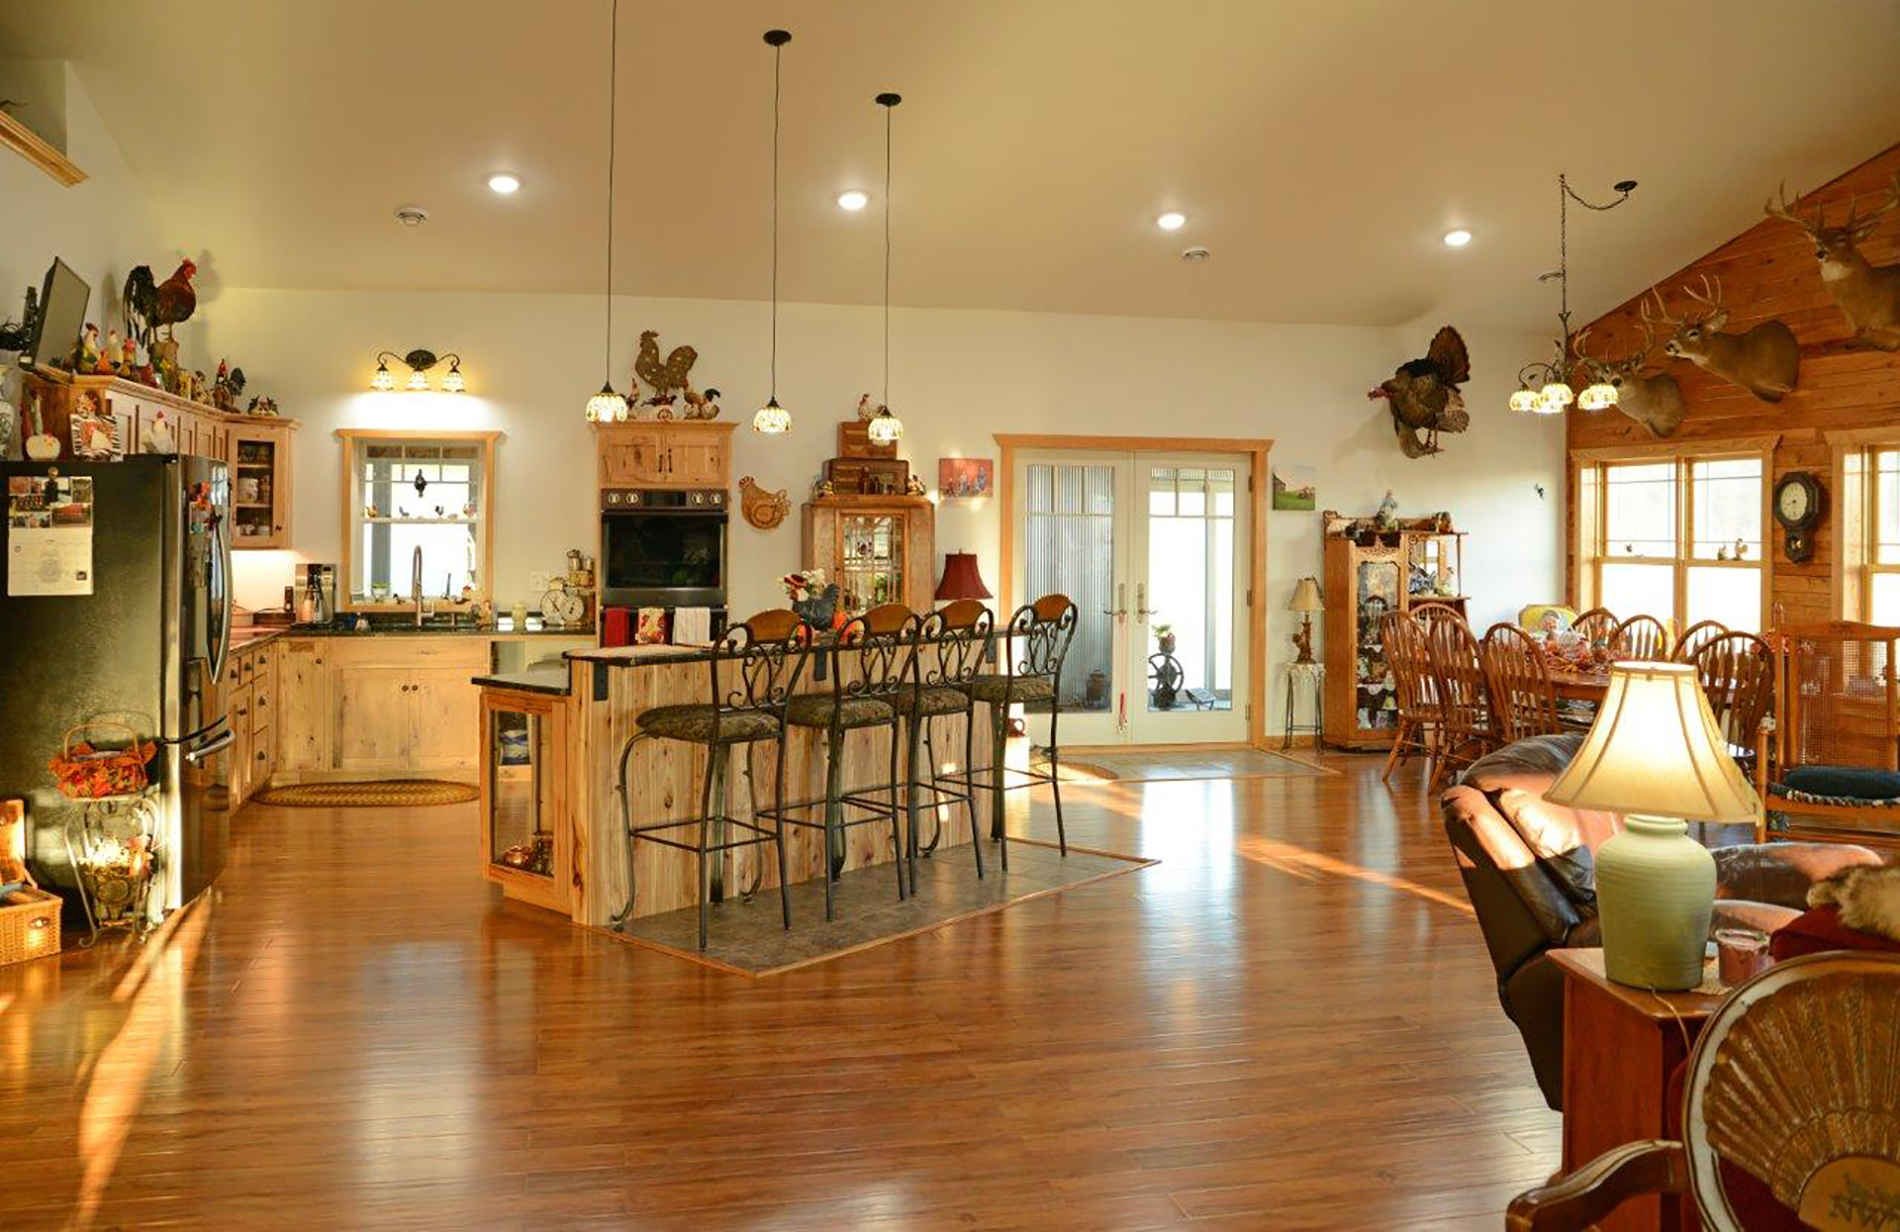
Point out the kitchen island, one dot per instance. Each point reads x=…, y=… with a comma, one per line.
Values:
x=582, y=724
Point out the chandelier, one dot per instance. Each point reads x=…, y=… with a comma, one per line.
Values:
x=610, y=405
x=773, y=419
x=1548, y=388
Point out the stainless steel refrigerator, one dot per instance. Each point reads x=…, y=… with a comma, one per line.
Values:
x=134, y=626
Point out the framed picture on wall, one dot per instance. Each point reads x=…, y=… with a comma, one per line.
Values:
x=958, y=477
x=1295, y=487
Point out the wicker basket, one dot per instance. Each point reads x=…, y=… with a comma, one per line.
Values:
x=29, y=929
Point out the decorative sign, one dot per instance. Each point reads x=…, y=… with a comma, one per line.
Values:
x=49, y=535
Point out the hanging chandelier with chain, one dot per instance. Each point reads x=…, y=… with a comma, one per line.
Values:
x=1549, y=387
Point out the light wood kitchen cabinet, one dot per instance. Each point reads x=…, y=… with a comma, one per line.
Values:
x=260, y=483
x=379, y=706
x=654, y=454
x=878, y=549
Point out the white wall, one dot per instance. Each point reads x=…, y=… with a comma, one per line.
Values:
x=958, y=377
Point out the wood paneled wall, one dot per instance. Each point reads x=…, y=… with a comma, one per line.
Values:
x=1770, y=271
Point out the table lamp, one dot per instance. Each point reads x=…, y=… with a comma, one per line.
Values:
x=960, y=578
x=1306, y=601
x=1656, y=755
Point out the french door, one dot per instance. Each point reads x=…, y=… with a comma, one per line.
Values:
x=1154, y=550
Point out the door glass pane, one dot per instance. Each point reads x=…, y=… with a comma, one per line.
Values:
x=1190, y=588
x=872, y=568
x=1069, y=549
x=518, y=834
x=1732, y=596
x=1377, y=705
x=1727, y=511
x=1641, y=511
x=1639, y=590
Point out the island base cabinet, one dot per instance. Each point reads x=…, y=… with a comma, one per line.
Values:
x=380, y=707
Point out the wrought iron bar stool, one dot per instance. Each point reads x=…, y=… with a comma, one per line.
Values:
x=949, y=660
x=872, y=662
x=751, y=672
x=1034, y=644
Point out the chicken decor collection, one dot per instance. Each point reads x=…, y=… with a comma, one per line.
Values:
x=1423, y=395
x=669, y=381
x=763, y=510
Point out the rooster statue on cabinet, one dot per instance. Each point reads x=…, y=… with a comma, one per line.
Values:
x=1423, y=395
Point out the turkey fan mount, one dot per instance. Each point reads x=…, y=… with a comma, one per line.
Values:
x=1423, y=395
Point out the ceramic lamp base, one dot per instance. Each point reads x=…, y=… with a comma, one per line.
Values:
x=1655, y=893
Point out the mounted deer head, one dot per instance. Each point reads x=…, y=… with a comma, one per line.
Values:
x=1766, y=361
x=1868, y=294
x=1653, y=401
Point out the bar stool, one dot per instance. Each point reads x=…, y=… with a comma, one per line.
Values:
x=867, y=688
x=751, y=673
x=1035, y=643
x=949, y=660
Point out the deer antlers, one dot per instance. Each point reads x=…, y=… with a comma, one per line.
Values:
x=1786, y=212
x=1860, y=227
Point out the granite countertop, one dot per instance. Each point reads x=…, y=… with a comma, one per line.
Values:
x=550, y=680
x=439, y=630
x=245, y=636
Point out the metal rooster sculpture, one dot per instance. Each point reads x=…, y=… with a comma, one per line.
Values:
x=1423, y=394
x=666, y=378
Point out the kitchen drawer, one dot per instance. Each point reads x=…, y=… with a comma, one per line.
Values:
x=410, y=650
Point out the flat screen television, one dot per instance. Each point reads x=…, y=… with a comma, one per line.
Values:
x=62, y=314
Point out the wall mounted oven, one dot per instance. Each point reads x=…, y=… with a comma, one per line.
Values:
x=663, y=547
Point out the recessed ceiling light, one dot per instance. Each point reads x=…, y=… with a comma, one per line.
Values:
x=1173, y=220
x=1457, y=238
x=853, y=200
x=504, y=183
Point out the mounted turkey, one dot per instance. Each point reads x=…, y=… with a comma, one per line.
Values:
x=1423, y=394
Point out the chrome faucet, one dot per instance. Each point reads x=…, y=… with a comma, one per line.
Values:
x=415, y=583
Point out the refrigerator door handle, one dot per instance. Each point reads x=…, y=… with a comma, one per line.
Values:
x=217, y=745
x=221, y=544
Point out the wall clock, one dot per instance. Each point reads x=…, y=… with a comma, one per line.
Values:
x=1798, y=509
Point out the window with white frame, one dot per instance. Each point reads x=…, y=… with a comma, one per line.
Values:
x=416, y=497
x=1679, y=538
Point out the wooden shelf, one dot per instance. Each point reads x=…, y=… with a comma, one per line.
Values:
x=419, y=521
x=36, y=150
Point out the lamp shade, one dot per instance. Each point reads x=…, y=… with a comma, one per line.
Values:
x=961, y=579
x=1306, y=597
x=1655, y=749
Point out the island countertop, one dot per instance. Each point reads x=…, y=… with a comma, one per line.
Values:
x=549, y=680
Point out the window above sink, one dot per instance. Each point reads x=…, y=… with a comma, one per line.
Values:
x=404, y=491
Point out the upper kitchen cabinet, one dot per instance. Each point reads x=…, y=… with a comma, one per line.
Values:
x=665, y=454
x=260, y=483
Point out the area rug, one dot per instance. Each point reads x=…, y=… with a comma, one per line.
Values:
x=392, y=793
x=749, y=938
x=1142, y=767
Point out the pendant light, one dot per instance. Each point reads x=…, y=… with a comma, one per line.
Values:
x=1548, y=388
x=608, y=406
x=885, y=427
x=773, y=419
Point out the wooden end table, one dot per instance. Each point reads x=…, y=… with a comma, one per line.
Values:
x=1621, y=1044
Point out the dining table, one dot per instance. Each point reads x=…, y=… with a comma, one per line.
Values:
x=1580, y=684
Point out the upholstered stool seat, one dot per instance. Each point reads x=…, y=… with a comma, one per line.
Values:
x=694, y=723
x=932, y=700
x=998, y=690
x=816, y=710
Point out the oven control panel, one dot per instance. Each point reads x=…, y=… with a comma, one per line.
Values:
x=692, y=500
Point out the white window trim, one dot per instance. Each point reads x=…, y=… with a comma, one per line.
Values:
x=353, y=507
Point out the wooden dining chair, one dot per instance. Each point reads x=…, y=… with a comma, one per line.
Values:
x=1834, y=755
x=1737, y=674
x=1415, y=686
x=1467, y=721
x=1640, y=637
x=1695, y=637
x=1523, y=700
x=1433, y=611
x=1595, y=625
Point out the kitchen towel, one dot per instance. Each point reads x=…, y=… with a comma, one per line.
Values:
x=692, y=626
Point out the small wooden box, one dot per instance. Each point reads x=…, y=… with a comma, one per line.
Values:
x=868, y=476
x=854, y=441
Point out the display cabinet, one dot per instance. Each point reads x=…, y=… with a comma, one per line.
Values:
x=260, y=488
x=527, y=848
x=878, y=549
x=1370, y=573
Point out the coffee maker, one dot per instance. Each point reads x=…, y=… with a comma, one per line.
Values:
x=316, y=594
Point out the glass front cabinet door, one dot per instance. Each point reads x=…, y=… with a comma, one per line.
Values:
x=526, y=845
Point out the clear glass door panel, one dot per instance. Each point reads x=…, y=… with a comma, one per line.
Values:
x=1373, y=697
x=1188, y=595
x=1069, y=542
x=519, y=814
x=252, y=494
x=872, y=561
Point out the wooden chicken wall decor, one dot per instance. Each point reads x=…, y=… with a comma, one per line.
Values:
x=763, y=510
x=1423, y=395
x=670, y=381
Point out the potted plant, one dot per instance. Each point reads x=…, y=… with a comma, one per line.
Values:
x=1164, y=638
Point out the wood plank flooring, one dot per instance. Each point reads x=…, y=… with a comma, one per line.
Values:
x=1288, y=1023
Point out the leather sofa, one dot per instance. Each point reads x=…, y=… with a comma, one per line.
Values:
x=1528, y=870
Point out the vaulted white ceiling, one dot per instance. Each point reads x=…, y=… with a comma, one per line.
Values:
x=1319, y=150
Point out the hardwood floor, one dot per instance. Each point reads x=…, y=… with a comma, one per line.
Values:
x=1288, y=1023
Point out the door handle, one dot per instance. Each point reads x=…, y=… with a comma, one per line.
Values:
x=1142, y=610
x=194, y=756
x=1120, y=610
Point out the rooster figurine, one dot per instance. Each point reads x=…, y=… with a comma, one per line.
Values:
x=665, y=378
x=1423, y=394
x=149, y=305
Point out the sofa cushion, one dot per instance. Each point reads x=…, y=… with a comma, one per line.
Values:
x=1850, y=784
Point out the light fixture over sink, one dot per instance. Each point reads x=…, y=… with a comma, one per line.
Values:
x=419, y=362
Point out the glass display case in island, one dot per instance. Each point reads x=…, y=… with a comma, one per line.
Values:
x=526, y=848
x=878, y=549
